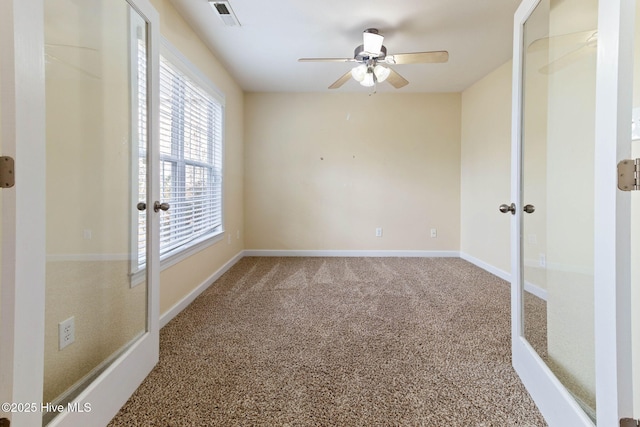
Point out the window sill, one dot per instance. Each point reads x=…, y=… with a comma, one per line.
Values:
x=178, y=255
x=182, y=253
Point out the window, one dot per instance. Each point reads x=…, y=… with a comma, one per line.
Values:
x=190, y=160
x=191, y=121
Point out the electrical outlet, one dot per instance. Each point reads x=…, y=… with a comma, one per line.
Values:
x=434, y=233
x=66, y=332
x=379, y=232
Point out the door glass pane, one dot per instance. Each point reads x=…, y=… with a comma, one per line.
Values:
x=95, y=54
x=558, y=149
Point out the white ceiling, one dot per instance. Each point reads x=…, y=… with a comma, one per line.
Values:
x=262, y=53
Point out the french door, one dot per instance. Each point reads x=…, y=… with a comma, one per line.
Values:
x=571, y=226
x=79, y=287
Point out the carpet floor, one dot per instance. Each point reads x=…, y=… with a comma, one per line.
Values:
x=339, y=342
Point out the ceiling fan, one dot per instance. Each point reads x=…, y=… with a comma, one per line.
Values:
x=372, y=57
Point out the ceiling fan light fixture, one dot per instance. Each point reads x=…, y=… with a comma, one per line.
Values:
x=372, y=42
x=371, y=55
x=358, y=73
x=381, y=72
x=368, y=80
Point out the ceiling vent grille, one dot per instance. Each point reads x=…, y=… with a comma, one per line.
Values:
x=224, y=11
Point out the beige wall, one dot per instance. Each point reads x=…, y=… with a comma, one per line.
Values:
x=486, y=168
x=323, y=171
x=179, y=280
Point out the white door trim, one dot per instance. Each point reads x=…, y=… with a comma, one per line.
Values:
x=23, y=207
x=614, y=392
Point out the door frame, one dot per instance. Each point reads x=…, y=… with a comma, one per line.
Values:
x=24, y=221
x=612, y=303
x=612, y=269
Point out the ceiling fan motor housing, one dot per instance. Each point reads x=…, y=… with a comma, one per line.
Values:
x=360, y=55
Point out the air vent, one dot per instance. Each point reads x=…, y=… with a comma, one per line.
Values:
x=224, y=11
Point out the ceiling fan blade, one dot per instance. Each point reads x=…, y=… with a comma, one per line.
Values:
x=342, y=80
x=561, y=40
x=326, y=60
x=432, y=57
x=396, y=79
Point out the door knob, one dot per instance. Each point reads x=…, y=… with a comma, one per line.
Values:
x=141, y=206
x=508, y=208
x=529, y=208
x=158, y=206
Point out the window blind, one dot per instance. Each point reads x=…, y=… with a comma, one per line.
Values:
x=190, y=159
x=190, y=137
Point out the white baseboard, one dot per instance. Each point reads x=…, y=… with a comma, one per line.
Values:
x=504, y=275
x=349, y=253
x=188, y=299
x=535, y=290
x=529, y=287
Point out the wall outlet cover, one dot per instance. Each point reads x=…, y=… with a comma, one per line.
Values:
x=66, y=332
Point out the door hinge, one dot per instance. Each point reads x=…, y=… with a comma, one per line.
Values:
x=7, y=174
x=4, y=422
x=629, y=422
x=629, y=174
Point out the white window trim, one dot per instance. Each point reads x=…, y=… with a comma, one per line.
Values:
x=191, y=248
x=183, y=64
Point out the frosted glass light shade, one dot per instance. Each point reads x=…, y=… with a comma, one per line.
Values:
x=381, y=72
x=359, y=72
x=368, y=80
